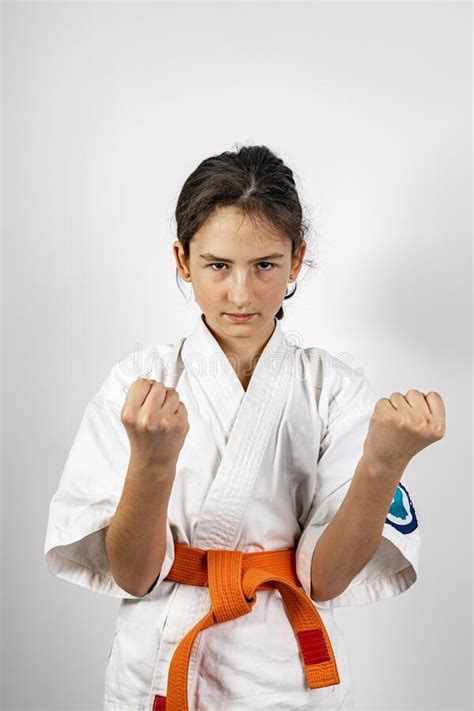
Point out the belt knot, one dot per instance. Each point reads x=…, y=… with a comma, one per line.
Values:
x=229, y=589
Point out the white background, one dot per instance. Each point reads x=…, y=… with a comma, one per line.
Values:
x=107, y=108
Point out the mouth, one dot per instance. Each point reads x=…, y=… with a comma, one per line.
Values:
x=240, y=318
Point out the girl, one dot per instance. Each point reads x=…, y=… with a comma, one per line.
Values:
x=243, y=486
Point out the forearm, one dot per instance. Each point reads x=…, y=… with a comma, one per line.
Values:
x=355, y=532
x=136, y=538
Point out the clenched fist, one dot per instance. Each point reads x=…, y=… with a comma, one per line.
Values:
x=403, y=425
x=156, y=422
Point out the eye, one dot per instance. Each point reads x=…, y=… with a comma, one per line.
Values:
x=217, y=264
x=271, y=265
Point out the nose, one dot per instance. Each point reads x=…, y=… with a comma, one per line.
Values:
x=239, y=291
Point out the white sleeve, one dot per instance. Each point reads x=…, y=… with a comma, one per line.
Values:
x=86, y=500
x=394, y=566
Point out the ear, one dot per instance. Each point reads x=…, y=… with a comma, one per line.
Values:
x=180, y=259
x=297, y=260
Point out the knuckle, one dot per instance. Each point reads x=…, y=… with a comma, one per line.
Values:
x=165, y=425
x=148, y=423
x=387, y=418
x=404, y=423
x=381, y=412
x=420, y=422
x=126, y=416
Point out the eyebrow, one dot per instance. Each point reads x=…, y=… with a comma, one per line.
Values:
x=212, y=258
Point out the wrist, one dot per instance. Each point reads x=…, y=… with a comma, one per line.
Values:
x=376, y=481
x=161, y=471
x=383, y=468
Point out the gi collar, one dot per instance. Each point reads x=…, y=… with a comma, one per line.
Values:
x=212, y=372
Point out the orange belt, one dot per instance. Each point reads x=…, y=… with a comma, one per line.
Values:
x=233, y=578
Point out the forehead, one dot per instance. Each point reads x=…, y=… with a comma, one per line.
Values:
x=228, y=227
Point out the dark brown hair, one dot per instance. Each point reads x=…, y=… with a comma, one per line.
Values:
x=253, y=179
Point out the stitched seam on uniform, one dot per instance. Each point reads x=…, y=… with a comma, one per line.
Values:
x=158, y=657
x=122, y=703
x=249, y=450
x=380, y=577
x=87, y=567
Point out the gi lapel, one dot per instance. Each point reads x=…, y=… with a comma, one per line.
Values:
x=171, y=365
x=212, y=376
x=249, y=417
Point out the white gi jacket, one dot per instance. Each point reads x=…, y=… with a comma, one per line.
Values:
x=261, y=469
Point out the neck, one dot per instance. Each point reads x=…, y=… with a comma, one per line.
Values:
x=243, y=352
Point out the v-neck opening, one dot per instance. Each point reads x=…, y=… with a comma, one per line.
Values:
x=209, y=367
x=243, y=391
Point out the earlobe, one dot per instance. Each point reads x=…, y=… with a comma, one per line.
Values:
x=298, y=261
x=179, y=259
x=296, y=268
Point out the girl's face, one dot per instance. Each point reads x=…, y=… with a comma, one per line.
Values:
x=238, y=268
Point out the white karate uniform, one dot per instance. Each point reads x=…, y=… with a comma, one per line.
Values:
x=261, y=469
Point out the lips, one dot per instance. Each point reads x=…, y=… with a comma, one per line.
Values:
x=240, y=318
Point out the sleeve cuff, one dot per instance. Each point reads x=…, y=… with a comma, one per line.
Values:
x=79, y=557
x=392, y=569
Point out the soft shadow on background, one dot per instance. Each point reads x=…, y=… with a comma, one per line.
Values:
x=107, y=107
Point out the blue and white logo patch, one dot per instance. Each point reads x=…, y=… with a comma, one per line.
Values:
x=401, y=514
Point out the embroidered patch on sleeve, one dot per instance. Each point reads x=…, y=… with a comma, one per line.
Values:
x=401, y=514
